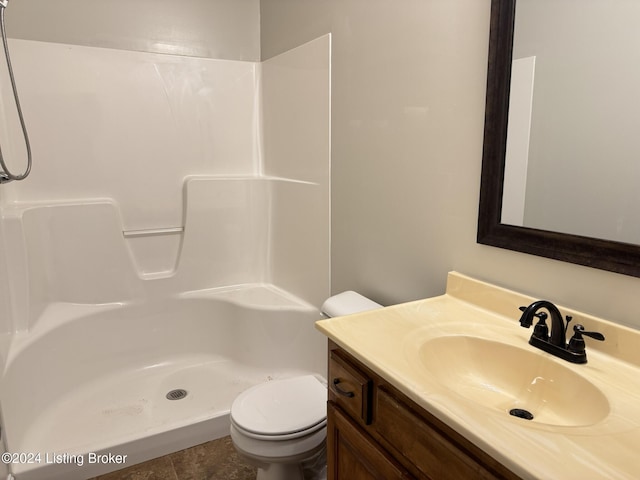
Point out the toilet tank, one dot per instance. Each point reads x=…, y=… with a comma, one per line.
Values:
x=346, y=303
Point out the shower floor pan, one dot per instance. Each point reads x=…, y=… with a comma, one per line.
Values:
x=125, y=419
x=86, y=393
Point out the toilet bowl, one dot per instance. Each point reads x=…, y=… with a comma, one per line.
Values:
x=280, y=426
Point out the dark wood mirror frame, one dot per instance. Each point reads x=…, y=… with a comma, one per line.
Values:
x=597, y=253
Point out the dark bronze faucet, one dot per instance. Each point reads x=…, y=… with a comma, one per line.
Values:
x=556, y=343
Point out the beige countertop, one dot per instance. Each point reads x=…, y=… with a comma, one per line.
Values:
x=587, y=423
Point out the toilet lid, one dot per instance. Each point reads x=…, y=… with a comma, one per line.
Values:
x=281, y=407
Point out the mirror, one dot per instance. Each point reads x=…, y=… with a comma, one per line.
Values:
x=591, y=249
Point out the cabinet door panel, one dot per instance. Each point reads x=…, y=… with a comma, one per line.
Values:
x=429, y=450
x=352, y=455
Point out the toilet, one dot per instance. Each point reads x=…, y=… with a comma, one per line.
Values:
x=280, y=426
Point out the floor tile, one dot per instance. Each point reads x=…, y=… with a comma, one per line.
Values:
x=215, y=460
x=156, y=469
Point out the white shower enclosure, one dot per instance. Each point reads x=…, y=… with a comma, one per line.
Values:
x=174, y=234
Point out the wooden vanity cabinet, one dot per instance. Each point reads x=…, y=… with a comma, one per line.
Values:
x=376, y=432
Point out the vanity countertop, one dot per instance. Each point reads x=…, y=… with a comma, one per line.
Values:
x=596, y=439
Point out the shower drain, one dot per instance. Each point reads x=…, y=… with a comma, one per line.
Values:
x=177, y=394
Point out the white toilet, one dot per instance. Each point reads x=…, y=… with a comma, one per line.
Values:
x=281, y=426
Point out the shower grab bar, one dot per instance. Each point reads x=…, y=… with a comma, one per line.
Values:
x=152, y=231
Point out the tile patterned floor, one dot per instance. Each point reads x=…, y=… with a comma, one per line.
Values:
x=216, y=460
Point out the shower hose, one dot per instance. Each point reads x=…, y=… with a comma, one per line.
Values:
x=5, y=174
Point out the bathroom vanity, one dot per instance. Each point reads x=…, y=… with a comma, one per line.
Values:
x=431, y=390
x=375, y=431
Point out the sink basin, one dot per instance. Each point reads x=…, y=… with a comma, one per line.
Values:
x=512, y=379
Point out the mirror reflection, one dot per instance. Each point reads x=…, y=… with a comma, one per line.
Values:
x=573, y=146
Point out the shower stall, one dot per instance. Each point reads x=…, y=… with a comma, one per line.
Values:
x=169, y=249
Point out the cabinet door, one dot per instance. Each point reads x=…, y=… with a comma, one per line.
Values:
x=352, y=455
x=431, y=451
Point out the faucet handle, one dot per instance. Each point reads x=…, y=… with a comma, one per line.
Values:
x=576, y=344
x=523, y=308
x=541, y=315
x=541, y=330
x=594, y=335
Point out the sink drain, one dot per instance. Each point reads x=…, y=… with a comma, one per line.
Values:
x=177, y=394
x=521, y=413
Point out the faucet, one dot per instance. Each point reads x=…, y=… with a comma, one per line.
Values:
x=558, y=328
x=556, y=343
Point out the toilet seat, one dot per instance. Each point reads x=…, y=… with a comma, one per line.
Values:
x=281, y=409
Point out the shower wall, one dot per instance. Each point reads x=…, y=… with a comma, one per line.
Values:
x=296, y=144
x=158, y=174
x=129, y=126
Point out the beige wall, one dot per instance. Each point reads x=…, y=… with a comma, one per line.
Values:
x=407, y=122
x=226, y=29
